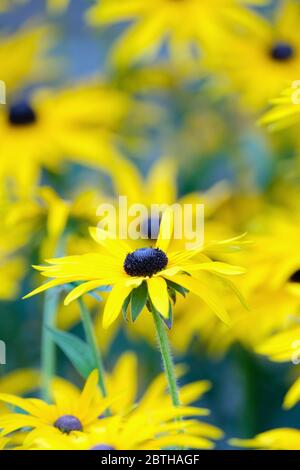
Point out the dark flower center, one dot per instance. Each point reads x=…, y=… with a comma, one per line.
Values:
x=21, y=114
x=295, y=277
x=150, y=228
x=68, y=423
x=282, y=51
x=145, y=262
x=102, y=447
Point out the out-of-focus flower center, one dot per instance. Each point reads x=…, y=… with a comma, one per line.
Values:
x=282, y=51
x=150, y=228
x=21, y=114
x=295, y=277
x=68, y=423
x=102, y=447
x=145, y=262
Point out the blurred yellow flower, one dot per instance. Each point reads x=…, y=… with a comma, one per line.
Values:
x=285, y=110
x=78, y=123
x=70, y=412
x=284, y=346
x=18, y=382
x=258, y=65
x=126, y=371
x=138, y=431
x=22, y=57
x=275, y=439
x=76, y=421
x=159, y=20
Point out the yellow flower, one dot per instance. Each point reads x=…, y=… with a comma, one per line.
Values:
x=76, y=420
x=126, y=371
x=275, y=439
x=71, y=410
x=77, y=123
x=139, y=431
x=285, y=111
x=153, y=22
x=19, y=381
x=285, y=347
x=153, y=270
x=259, y=65
x=12, y=240
x=22, y=57
x=120, y=433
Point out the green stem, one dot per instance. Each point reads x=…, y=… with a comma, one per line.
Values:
x=48, y=360
x=91, y=339
x=166, y=357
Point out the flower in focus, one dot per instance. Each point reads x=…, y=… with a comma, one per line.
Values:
x=150, y=274
x=153, y=22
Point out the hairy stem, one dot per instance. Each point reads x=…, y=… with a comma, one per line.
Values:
x=91, y=339
x=166, y=357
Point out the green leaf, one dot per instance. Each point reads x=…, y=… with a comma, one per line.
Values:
x=139, y=298
x=172, y=294
x=76, y=350
x=125, y=306
x=181, y=290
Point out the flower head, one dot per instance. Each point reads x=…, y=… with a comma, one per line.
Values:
x=76, y=420
x=285, y=109
x=77, y=123
x=259, y=64
x=71, y=410
x=153, y=21
x=138, y=276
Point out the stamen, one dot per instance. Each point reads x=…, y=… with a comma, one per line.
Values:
x=21, y=114
x=295, y=277
x=282, y=51
x=145, y=262
x=68, y=423
x=102, y=447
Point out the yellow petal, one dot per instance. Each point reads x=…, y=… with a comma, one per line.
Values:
x=293, y=396
x=165, y=230
x=158, y=292
x=117, y=248
x=215, y=266
x=114, y=303
x=82, y=289
x=43, y=287
x=206, y=293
